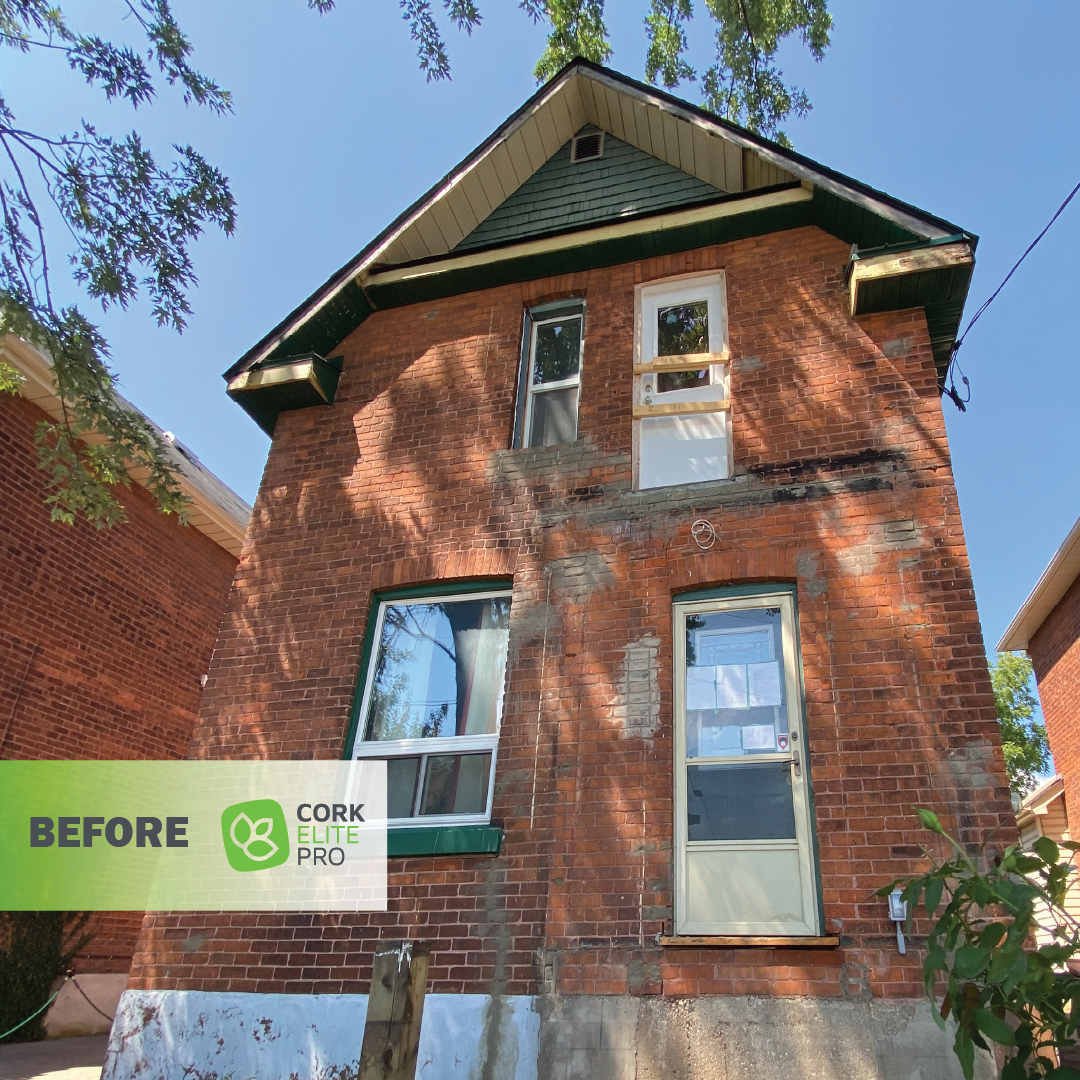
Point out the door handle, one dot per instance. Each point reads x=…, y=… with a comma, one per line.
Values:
x=796, y=762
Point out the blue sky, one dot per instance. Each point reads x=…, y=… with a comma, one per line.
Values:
x=965, y=109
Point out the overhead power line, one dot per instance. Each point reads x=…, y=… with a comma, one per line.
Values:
x=958, y=401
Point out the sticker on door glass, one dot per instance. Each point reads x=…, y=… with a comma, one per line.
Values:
x=758, y=737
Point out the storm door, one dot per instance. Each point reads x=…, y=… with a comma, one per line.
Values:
x=744, y=850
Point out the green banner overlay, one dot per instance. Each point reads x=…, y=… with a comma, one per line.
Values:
x=192, y=836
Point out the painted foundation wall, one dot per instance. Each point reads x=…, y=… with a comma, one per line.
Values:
x=189, y=1035
x=193, y=1035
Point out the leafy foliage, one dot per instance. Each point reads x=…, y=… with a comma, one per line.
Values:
x=35, y=949
x=132, y=222
x=1023, y=738
x=133, y=219
x=997, y=986
x=744, y=84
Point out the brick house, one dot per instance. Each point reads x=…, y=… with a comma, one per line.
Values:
x=610, y=502
x=1047, y=627
x=104, y=634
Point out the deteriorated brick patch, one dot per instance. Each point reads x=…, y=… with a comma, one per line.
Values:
x=843, y=485
x=103, y=634
x=1055, y=655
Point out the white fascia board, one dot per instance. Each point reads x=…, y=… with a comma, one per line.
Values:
x=1052, y=585
x=223, y=516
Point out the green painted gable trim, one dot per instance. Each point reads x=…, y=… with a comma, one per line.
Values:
x=562, y=195
x=848, y=221
x=445, y=840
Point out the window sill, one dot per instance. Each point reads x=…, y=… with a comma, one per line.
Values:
x=732, y=942
x=444, y=840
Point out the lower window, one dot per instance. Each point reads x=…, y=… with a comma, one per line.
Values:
x=744, y=848
x=432, y=704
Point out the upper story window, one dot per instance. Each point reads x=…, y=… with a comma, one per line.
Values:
x=432, y=704
x=550, y=380
x=681, y=382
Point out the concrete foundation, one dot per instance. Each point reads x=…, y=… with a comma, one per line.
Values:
x=189, y=1035
x=72, y=1014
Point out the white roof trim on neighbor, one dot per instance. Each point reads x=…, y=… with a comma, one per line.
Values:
x=1051, y=587
x=1036, y=803
x=214, y=509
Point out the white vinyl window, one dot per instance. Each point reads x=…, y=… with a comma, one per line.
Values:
x=552, y=356
x=432, y=705
x=681, y=382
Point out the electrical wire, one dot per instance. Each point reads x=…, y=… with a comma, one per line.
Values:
x=958, y=401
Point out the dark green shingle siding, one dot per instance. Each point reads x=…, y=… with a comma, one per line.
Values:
x=561, y=194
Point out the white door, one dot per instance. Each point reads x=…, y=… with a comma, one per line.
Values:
x=744, y=851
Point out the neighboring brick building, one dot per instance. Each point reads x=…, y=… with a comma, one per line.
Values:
x=1047, y=627
x=624, y=527
x=104, y=634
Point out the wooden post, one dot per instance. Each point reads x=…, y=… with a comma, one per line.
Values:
x=395, y=1009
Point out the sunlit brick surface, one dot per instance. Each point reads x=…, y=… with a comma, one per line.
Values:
x=103, y=634
x=842, y=484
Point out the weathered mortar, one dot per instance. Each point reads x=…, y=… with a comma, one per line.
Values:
x=407, y=480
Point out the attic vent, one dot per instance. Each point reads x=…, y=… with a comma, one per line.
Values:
x=588, y=146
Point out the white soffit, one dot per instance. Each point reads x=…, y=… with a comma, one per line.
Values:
x=214, y=509
x=581, y=98
x=1051, y=587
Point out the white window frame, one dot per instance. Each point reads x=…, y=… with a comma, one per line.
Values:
x=427, y=748
x=648, y=300
x=538, y=317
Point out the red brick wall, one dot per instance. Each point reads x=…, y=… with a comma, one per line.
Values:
x=1055, y=654
x=103, y=633
x=838, y=435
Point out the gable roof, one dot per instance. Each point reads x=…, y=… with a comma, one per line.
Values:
x=1055, y=582
x=428, y=250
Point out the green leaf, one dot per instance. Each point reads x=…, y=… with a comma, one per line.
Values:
x=1046, y=848
x=1007, y=968
x=929, y=820
x=965, y=1052
x=992, y=934
x=969, y=961
x=1062, y=1072
x=1027, y=864
x=993, y=1028
x=934, y=888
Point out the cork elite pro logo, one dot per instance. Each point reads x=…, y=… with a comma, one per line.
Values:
x=255, y=835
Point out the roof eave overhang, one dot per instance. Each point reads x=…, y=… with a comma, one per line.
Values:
x=1053, y=584
x=216, y=521
x=345, y=289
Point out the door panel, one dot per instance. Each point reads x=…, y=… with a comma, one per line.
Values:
x=744, y=849
x=745, y=891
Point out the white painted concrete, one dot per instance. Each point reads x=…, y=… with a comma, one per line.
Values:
x=177, y=1035
x=72, y=1014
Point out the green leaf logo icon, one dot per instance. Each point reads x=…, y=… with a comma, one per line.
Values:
x=255, y=835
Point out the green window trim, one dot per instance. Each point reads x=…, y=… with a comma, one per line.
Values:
x=444, y=840
x=407, y=592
